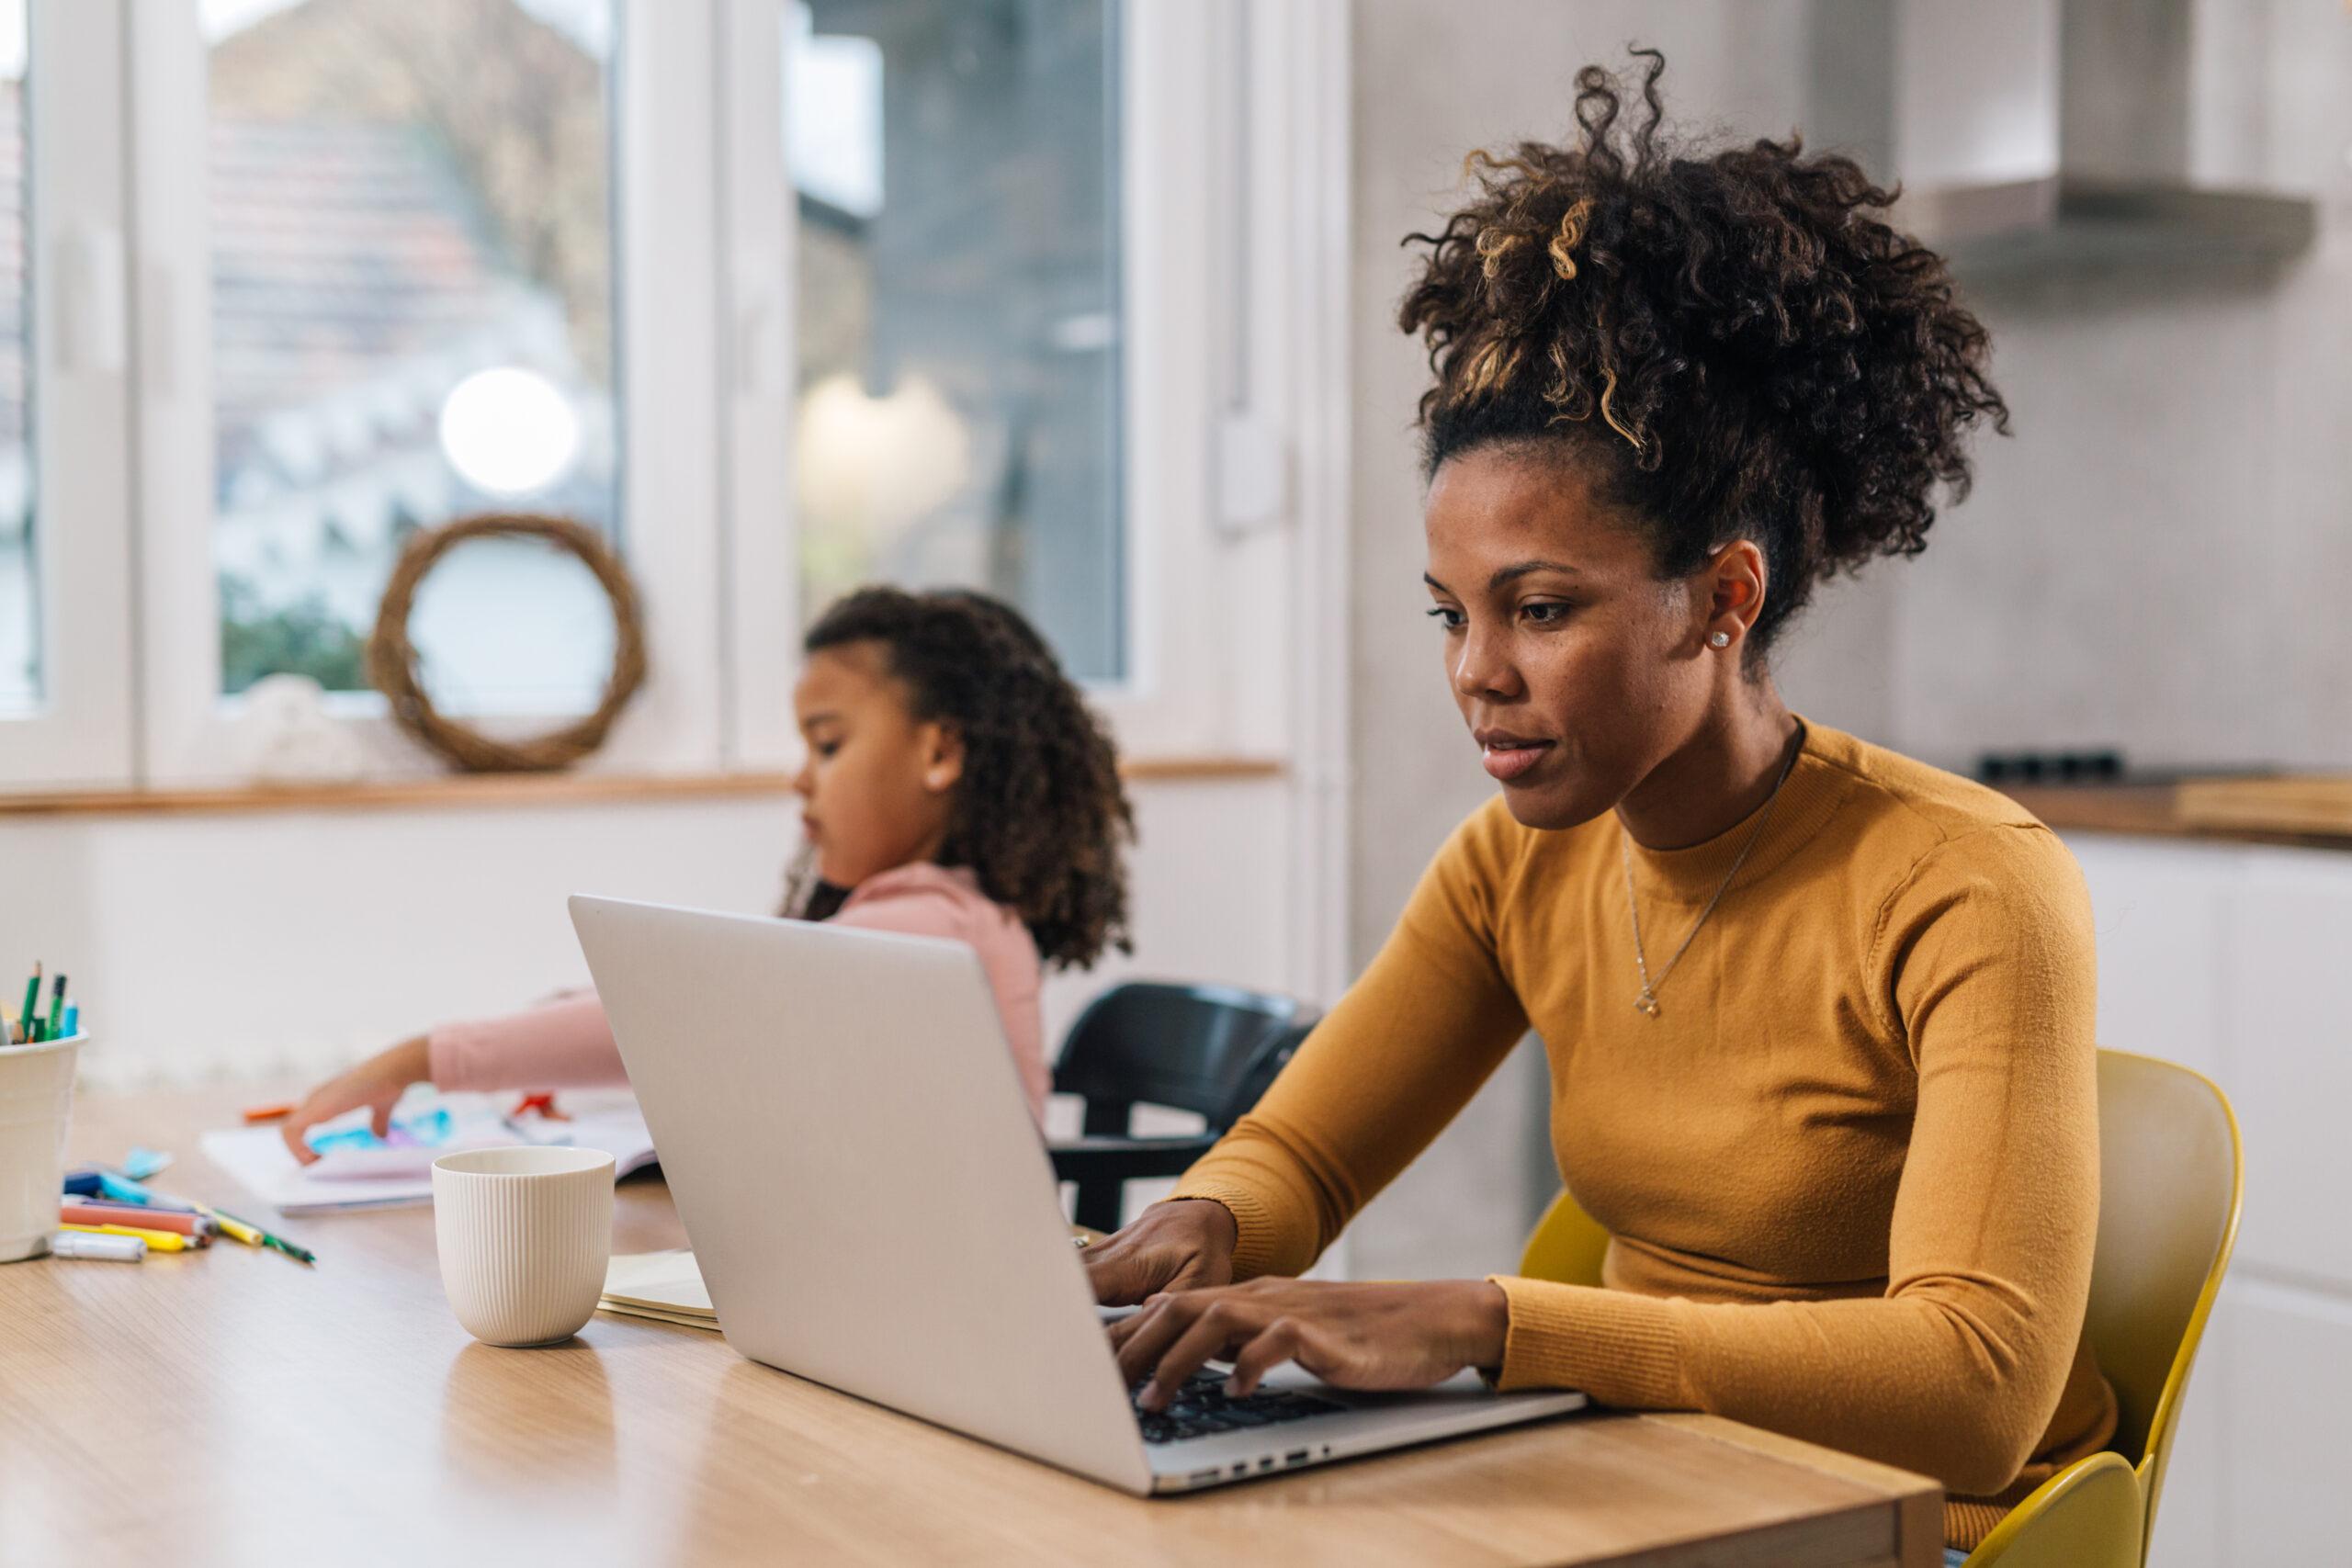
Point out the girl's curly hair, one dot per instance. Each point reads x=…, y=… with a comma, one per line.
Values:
x=1040, y=815
x=1735, y=341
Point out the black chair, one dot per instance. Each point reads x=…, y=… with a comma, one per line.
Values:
x=1205, y=1049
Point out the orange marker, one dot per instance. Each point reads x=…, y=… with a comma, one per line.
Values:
x=268, y=1112
x=135, y=1217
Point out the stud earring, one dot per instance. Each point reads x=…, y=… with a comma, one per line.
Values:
x=1719, y=639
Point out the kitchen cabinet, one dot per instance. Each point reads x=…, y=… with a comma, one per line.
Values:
x=2234, y=959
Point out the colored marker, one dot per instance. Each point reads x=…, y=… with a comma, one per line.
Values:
x=123, y=1189
x=55, y=1027
x=102, y=1213
x=157, y=1241
x=72, y=1020
x=279, y=1244
x=32, y=999
x=269, y=1113
x=254, y=1236
x=111, y=1248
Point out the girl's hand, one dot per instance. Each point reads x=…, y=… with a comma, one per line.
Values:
x=1381, y=1336
x=376, y=1083
x=1178, y=1245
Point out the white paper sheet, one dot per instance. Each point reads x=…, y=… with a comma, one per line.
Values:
x=391, y=1179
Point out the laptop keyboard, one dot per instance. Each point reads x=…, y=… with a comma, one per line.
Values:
x=1202, y=1408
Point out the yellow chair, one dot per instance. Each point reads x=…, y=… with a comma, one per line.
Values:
x=2170, y=1176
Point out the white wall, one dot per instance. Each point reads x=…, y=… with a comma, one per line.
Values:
x=280, y=945
x=2151, y=561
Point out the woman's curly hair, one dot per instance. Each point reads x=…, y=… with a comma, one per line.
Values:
x=1040, y=815
x=1736, y=341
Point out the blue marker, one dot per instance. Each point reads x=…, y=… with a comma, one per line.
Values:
x=124, y=1190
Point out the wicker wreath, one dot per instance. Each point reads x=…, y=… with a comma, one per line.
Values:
x=392, y=658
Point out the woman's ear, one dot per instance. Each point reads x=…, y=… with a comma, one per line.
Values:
x=1734, y=592
x=943, y=758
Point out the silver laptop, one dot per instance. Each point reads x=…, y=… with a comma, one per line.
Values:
x=846, y=1136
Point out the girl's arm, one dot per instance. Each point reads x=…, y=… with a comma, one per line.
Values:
x=564, y=1043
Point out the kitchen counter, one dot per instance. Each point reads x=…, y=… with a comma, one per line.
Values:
x=2312, y=811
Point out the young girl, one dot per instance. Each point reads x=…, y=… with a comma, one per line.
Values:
x=956, y=785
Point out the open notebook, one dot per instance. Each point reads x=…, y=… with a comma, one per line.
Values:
x=374, y=1175
x=664, y=1286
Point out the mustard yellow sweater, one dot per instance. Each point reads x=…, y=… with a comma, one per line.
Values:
x=1850, y=1170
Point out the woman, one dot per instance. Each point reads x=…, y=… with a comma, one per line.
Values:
x=1819, y=1018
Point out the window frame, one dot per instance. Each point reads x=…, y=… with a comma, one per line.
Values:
x=80, y=735
x=663, y=238
x=1188, y=690
x=708, y=399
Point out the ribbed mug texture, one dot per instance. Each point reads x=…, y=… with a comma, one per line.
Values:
x=524, y=1235
x=36, y=1104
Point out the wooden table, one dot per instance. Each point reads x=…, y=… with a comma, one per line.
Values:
x=232, y=1406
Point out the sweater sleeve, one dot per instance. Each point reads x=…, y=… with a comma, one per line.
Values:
x=1396, y=1060
x=1983, y=966
x=564, y=1043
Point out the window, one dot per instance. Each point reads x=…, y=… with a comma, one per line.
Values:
x=21, y=606
x=954, y=170
x=411, y=321
x=782, y=294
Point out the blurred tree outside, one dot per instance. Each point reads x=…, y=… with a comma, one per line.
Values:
x=302, y=638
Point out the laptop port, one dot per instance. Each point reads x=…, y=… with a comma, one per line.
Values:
x=1242, y=1469
x=1296, y=1456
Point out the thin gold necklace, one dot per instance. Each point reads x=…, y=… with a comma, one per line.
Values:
x=1646, y=1003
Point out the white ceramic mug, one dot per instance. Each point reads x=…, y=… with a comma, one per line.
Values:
x=525, y=1235
x=36, y=1106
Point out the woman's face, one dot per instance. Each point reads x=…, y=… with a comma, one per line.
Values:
x=878, y=782
x=1577, y=669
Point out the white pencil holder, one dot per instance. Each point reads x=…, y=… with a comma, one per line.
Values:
x=36, y=1108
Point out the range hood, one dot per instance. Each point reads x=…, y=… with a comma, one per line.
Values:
x=2041, y=135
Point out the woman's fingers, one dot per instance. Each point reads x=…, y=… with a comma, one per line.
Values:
x=1215, y=1329
x=1283, y=1340
x=1149, y=1332
x=1392, y=1336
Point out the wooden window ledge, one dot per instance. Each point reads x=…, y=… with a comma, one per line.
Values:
x=467, y=790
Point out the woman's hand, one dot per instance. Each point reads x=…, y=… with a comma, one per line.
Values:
x=376, y=1083
x=1383, y=1336
x=1182, y=1244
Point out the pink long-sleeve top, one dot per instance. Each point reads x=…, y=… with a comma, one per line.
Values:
x=567, y=1043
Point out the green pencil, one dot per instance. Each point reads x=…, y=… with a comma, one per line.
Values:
x=32, y=999
x=274, y=1243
